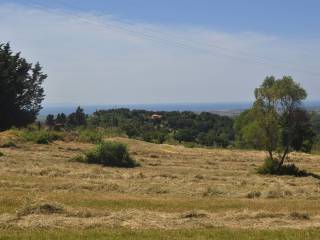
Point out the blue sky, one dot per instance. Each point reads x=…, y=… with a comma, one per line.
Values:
x=148, y=51
x=282, y=17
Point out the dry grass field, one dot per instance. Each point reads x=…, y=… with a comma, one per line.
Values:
x=177, y=193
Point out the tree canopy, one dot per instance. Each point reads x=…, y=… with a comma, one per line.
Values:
x=277, y=121
x=21, y=91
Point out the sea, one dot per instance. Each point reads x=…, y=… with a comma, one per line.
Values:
x=233, y=108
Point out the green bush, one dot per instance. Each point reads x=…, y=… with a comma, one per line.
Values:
x=111, y=154
x=269, y=166
x=42, y=136
x=1, y=154
x=272, y=167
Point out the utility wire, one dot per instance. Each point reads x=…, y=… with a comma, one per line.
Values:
x=185, y=44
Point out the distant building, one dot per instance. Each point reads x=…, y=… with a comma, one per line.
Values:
x=156, y=117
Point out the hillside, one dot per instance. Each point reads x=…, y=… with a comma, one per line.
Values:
x=175, y=189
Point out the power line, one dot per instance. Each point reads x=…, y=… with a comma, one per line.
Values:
x=180, y=42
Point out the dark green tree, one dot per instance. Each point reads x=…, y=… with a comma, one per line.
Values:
x=21, y=91
x=61, y=119
x=185, y=135
x=78, y=118
x=50, y=122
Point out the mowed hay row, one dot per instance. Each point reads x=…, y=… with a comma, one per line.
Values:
x=175, y=188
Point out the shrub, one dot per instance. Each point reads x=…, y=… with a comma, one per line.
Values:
x=269, y=166
x=42, y=136
x=1, y=154
x=272, y=167
x=111, y=154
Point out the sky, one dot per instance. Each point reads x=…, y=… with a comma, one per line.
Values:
x=168, y=51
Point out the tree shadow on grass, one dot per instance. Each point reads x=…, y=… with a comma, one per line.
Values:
x=271, y=167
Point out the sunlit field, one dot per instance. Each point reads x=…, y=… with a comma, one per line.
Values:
x=176, y=193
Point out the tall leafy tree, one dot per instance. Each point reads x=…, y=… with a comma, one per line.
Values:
x=21, y=91
x=280, y=116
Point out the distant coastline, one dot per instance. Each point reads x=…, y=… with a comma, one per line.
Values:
x=219, y=108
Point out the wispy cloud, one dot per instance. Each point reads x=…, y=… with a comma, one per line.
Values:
x=95, y=59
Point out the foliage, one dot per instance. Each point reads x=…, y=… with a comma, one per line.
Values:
x=272, y=166
x=50, y=120
x=21, y=91
x=303, y=136
x=269, y=166
x=158, y=137
x=315, y=120
x=42, y=136
x=78, y=118
x=1, y=154
x=111, y=154
x=248, y=132
x=277, y=122
x=185, y=135
x=61, y=119
x=278, y=112
x=204, y=128
x=90, y=135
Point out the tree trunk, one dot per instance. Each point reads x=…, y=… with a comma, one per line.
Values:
x=270, y=154
x=284, y=156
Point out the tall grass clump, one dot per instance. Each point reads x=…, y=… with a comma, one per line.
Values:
x=111, y=154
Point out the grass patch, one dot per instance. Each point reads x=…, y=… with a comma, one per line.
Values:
x=42, y=208
x=122, y=233
x=90, y=136
x=300, y=216
x=194, y=214
x=42, y=136
x=9, y=143
x=9, y=204
x=212, y=192
x=155, y=204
